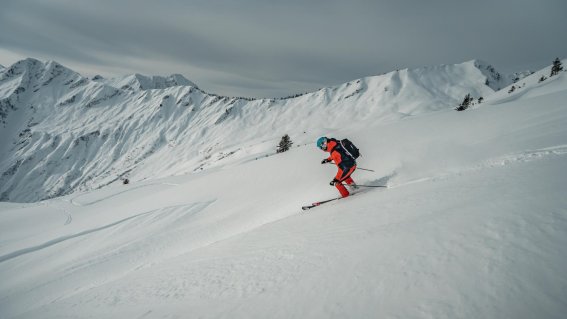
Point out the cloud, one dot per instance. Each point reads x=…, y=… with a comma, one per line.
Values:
x=277, y=48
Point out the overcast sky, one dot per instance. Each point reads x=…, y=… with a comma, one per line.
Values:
x=268, y=48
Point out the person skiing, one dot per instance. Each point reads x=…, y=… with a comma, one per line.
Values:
x=345, y=162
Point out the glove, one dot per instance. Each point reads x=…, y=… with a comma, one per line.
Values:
x=325, y=161
x=333, y=182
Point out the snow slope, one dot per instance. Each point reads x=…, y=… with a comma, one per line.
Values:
x=473, y=225
x=64, y=132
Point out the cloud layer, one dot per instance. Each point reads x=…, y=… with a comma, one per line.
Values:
x=269, y=49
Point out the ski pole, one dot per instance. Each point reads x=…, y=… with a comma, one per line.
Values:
x=367, y=185
x=372, y=186
x=360, y=168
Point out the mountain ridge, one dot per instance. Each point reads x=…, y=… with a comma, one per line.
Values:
x=69, y=133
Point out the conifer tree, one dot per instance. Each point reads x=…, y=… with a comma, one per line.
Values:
x=285, y=144
x=556, y=67
x=465, y=104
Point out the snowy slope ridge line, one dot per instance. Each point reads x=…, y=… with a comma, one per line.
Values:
x=66, y=133
x=188, y=207
x=528, y=87
x=501, y=161
x=528, y=156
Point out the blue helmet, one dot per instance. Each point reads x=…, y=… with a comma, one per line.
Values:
x=322, y=142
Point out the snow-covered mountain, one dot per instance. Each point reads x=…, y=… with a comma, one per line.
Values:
x=518, y=76
x=63, y=132
x=473, y=223
x=137, y=82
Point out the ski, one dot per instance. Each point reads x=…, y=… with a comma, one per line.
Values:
x=358, y=191
x=319, y=203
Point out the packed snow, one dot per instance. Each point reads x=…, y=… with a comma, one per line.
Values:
x=473, y=223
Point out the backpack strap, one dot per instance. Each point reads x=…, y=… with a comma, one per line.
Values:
x=346, y=151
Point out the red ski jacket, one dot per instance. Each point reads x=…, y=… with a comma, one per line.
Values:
x=344, y=162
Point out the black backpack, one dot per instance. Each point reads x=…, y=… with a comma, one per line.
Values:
x=350, y=148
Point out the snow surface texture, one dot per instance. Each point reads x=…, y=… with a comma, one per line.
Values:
x=63, y=132
x=472, y=225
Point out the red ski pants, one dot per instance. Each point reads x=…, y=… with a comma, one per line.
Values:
x=347, y=179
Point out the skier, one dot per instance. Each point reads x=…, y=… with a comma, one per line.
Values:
x=344, y=161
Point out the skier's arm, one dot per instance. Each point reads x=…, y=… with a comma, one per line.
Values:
x=327, y=160
x=335, y=157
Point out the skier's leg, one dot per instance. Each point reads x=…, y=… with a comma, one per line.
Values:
x=342, y=189
x=345, y=175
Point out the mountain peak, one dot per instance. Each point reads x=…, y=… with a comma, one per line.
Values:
x=38, y=68
x=181, y=80
x=494, y=79
x=142, y=82
x=25, y=64
x=29, y=61
x=134, y=81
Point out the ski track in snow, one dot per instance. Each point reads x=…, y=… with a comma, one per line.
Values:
x=502, y=161
x=74, y=201
x=88, y=203
x=526, y=156
x=69, y=219
x=55, y=241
